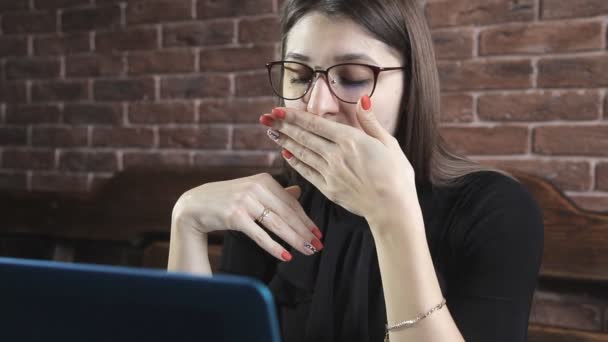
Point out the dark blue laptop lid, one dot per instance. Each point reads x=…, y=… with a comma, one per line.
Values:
x=54, y=301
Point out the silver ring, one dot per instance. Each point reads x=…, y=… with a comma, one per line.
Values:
x=264, y=214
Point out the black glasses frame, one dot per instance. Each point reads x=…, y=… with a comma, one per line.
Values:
x=376, y=70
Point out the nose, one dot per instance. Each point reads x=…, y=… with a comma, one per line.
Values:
x=320, y=98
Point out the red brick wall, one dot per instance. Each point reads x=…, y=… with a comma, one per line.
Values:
x=91, y=87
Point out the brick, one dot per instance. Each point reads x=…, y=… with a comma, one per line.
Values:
x=566, y=175
x=453, y=44
x=14, y=5
x=541, y=38
x=136, y=38
x=59, y=182
x=12, y=135
x=232, y=8
x=601, y=176
x=32, y=68
x=59, y=91
x=13, y=180
x=155, y=160
x=230, y=158
x=478, y=12
x=12, y=92
x=456, y=108
x=589, y=140
x=59, y=136
x=236, y=59
x=94, y=65
x=259, y=30
x=476, y=75
x=33, y=114
x=202, y=137
x=196, y=86
x=83, y=161
x=13, y=46
x=92, y=113
x=29, y=22
x=62, y=44
x=573, y=72
x=500, y=140
x=198, y=34
x=123, y=137
x=158, y=11
x=252, y=137
x=85, y=19
x=124, y=89
x=556, y=9
x=566, y=312
x=539, y=106
x=235, y=110
x=161, y=62
x=28, y=159
x=60, y=4
x=161, y=113
x=591, y=203
x=253, y=85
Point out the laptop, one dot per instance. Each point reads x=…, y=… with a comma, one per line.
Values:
x=56, y=301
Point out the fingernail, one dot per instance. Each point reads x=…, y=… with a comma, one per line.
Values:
x=279, y=113
x=286, y=255
x=317, y=233
x=310, y=247
x=318, y=245
x=286, y=154
x=274, y=135
x=266, y=120
x=366, y=102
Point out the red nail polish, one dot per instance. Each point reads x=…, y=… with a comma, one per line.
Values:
x=266, y=120
x=286, y=154
x=317, y=233
x=286, y=255
x=317, y=244
x=366, y=102
x=279, y=113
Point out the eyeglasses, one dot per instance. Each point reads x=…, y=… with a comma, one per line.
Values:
x=347, y=81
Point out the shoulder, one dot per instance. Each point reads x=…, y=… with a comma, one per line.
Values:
x=497, y=209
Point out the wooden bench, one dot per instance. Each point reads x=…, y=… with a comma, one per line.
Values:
x=131, y=214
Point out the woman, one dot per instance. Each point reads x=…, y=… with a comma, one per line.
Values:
x=381, y=223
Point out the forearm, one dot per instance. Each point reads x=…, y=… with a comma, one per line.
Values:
x=188, y=250
x=409, y=280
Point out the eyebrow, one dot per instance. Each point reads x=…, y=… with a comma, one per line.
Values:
x=341, y=58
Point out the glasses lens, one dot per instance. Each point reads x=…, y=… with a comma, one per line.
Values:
x=290, y=80
x=350, y=82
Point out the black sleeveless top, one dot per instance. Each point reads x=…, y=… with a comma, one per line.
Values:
x=485, y=237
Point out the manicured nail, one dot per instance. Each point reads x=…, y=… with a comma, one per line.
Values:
x=366, y=102
x=279, y=113
x=318, y=245
x=274, y=135
x=310, y=247
x=286, y=154
x=317, y=233
x=267, y=120
x=286, y=255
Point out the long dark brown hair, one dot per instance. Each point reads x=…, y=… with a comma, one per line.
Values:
x=401, y=25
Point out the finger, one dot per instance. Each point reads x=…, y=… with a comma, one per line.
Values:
x=261, y=237
x=277, y=190
x=369, y=122
x=310, y=157
x=277, y=225
x=281, y=130
x=330, y=130
x=313, y=176
x=289, y=216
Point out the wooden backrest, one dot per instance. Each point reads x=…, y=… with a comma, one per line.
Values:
x=576, y=241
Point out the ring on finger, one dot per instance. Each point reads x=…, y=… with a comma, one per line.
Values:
x=263, y=215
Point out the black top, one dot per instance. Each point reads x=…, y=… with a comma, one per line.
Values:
x=485, y=237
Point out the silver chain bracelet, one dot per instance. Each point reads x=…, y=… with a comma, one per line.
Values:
x=411, y=322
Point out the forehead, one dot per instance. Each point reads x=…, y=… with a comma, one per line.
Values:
x=324, y=38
